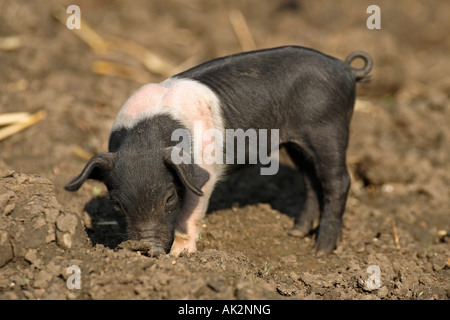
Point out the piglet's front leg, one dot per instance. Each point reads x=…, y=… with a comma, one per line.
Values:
x=188, y=225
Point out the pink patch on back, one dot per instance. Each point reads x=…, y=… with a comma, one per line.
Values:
x=185, y=100
x=144, y=99
x=189, y=102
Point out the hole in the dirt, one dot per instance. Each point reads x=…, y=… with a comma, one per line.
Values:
x=108, y=226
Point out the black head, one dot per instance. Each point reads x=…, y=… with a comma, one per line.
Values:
x=146, y=185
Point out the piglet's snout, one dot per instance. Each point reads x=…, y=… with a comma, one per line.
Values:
x=141, y=246
x=157, y=241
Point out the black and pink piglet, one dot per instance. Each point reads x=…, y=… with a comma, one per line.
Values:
x=306, y=96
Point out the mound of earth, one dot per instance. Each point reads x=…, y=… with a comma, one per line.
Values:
x=41, y=241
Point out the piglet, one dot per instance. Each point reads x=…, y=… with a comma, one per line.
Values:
x=172, y=142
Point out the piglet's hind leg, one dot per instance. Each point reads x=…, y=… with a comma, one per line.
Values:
x=334, y=182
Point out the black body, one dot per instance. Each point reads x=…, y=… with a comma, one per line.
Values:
x=309, y=97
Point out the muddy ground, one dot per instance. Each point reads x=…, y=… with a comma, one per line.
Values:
x=397, y=218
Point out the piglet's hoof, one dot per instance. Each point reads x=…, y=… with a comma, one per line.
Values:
x=297, y=233
x=321, y=249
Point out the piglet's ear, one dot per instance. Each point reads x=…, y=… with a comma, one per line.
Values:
x=193, y=176
x=96, y=168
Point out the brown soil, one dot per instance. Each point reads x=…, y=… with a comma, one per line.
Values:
x=397, y=215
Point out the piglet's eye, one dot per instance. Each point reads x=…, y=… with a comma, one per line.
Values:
x=116, y=206
x=171, y=199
